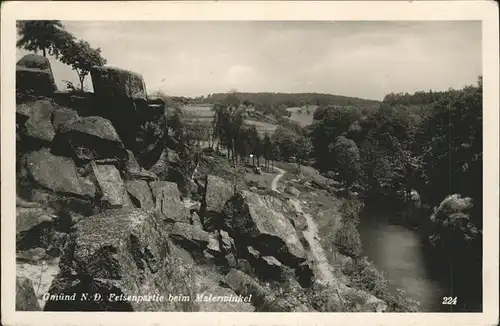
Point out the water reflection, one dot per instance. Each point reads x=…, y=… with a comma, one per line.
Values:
x=399, y=253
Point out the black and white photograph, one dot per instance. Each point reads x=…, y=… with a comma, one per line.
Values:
x=251, y=166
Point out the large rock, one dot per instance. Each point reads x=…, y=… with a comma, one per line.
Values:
x=292, y=191
x=160, y=167
x=118, y=83
x=140, y=122
x=135, y=172
x=92, y=138
x=110, y=185
x=64, y=116
x=117, y=254
x=45, y=235
x=262, y=222
x=34, y=75
x=189, y=236
x=217, y=192
x=25, y=295
x=195, y=220
x=38, y=116
x=141, y=195
x=226, y=242
x=168, y=201
x=28, y=217
x=244, y=285
x=56, y=173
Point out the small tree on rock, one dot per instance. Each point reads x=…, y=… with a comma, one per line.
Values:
x=81, y=57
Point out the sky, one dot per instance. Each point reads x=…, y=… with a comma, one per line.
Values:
x=350, y=58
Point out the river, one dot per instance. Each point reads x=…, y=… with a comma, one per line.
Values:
x=399, y=253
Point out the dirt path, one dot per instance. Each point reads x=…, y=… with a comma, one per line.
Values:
x=322, y=269
x=274, y=184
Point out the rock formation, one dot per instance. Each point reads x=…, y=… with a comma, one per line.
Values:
x=34, y=76
x=100, y=194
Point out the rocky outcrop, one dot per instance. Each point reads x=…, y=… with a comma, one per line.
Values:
x=117, y=83
x=116, y=254
x=37, y=126
x=189, y=236
x=34, y=76
x=25, y=295
x=217, y=192
x=261, y=221
x=135, y=172
x=55, y=174
x=168, y=201
x=243, y=284
x=64, y=116
x=110, y=185
x=140, y=121
x=141, y=194
x=91, y=138
x=27, y=216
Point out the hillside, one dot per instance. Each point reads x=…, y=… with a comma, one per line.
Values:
x=293, y=99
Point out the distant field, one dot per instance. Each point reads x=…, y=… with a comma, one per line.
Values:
x=303, y=115
x=205, y=114
x=262, y=127
x=198, y=112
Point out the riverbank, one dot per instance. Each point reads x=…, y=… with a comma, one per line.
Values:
x=328, y=216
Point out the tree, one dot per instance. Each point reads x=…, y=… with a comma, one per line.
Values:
x=258, y=149
x=330, y=122
x=227, y=122
x=267, y=149
x=47, y=36
x=81, y=57
x=303, y=149
x=285, y=141
x=348, y=161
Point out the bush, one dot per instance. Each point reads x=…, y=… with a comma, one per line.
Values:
x=367, y=277
x=350, y=209
x=401, y=303
x=325, y=298
x=347, y=240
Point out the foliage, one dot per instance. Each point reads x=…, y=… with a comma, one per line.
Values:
x=347, y=239
x=47, y=36
x=347, y=159
x=285, y=141
x=50, y=37
x=364, y=276
x=450, y=142
x=331, y=122
x=303, y=149
x=454, y=231
x=81, y=57
x=227, y=123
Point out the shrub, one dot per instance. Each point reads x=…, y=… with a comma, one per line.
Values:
x=325, y=298
x=364, y=276
x=347, y=240
x=367, y=277
x=401, y=303
x=350, y=209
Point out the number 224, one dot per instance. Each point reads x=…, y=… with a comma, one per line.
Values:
x=449, y=300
